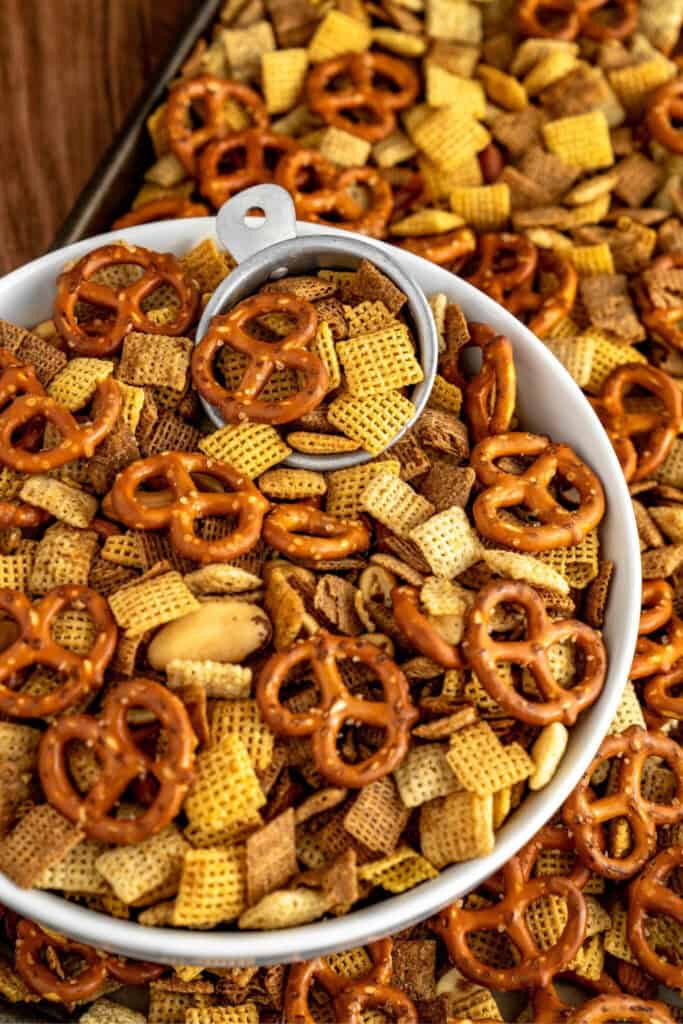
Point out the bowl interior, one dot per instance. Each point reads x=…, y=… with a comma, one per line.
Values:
x=550, y=403
x=307, y=256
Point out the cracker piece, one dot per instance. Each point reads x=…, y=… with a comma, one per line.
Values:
x=123, y=549
x=150, y=602
x=582, y=141
x=449, y=138
x=151, y=865
x=453, y=20
x=47, y=360
x=292, y=484
x=207, y=265
x=77, y=872
x=377, y=816
x=39, y=841
x=75, y=385
x=535, y=571
x=381, y=361
x=342, y=148
x=222, y=578
x=486, y=207
x=578, y=565
x=285, y=908
x=400, y=871
x=482, y=764
x=425, y=775
x=283, y=75
x=374, y=421
x=456, y=827
x=251, y=448
x=242, y=719
x=225, y=791
x=448, y=542
x=444, y=89
x=634, y=83
x=106, y=1011
x=336, y=34
x=65, y=503
x=245, y=1013
x=320, y=444
x=394, y=503
x=271, y=857
x=64, y=555
x=212, y=887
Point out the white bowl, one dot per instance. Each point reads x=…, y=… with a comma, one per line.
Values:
x=550, y=403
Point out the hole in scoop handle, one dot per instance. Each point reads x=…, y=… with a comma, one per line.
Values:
x=243, y=240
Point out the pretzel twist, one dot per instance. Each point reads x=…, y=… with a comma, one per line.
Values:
x=166, y=208
x=628, y=1009
x=558, y=304
x=182, y=503
x=121, y=761
x=302, y=976
x=419, y=631
x=32, y=942
x=447, y=250
x=558, y=526
x=394, y=714
x=35, y=645
x=262, y=359
x=299, y=531
x=664, y=322
x=657, y=612
x=252, y=157
x=536, y=966
x=649, y=894
x=504, y=262
x=334, y=106
x=665, y=107
x=208, y=96
x=656, y=429
x=490, y=394
x=483, y=654
x=585, y=815
x=553, y=837
x=574, y=17
x=323, y=194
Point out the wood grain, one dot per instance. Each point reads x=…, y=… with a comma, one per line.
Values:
x=69, y=72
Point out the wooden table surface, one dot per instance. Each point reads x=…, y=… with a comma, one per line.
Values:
x=69, y=72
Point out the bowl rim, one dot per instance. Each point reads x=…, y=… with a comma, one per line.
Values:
x=395, y=912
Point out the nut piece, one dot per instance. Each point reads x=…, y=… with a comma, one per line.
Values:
x=227, y=631
x=547, y=752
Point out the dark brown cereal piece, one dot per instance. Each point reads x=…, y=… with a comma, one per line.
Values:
x=446, y=485
x=44, y=357
x=371, y=284
x=271, y=856
x=596, y=595
x=446, y=433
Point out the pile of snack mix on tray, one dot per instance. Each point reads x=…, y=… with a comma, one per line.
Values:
x=535, y=150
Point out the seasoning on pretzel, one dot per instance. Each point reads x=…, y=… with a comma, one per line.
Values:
x=123, y=307
x=121, y=760
x=251, y=157
x=303, y=532
x=650, y=895
x=659, y=654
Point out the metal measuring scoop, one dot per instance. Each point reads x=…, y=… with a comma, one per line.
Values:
x=270, y=248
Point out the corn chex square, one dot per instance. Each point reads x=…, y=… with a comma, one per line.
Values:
x=580, y=141
x=207, y=265
x=456, y=827
x=400, y=871
x=486, y=207
x=394, y=503
x=156, y=862
x=336, y=34
x=425, y=775
x=448, y=542
x=212, y=887
x=242, y=718
x=225, y=791
x=251, y=448
x=342, y=148
x=449, y=137
x=482, y=764
x=146, y=603
x=381, y=361
x=283, y=73
x=444, y=89
x=324, y=346
x=374, y=421
x=75, y=385
x=345, y=487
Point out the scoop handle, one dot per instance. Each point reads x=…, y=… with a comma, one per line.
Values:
x=244, y=235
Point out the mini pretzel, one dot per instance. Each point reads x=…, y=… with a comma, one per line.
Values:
x=664, y=322
x=558, y=526
x=561, y=19
x=263, y=357
x=656, y=429
x=624, y=1008
x=537, y=966
x=77, y=441
x=351, y=1004
x=103, y=337
x=208, y=95
x=21, y=515
x=610, y=27
x=251, y=156
x=490, y=394
x=35, y=645
x=302, y=976
x=324, y=195
x=182, y=504
x=18, y=379
x=32, y=941
x=299, y=531
x=660, y=694
x=560, y=302
x=121, y=761
x=448, y=250
x=418, y=630
x=394, y=715
x=553, y=837
x=664, y=109
x=335, y=106
x=504, y=261
x=483, y=654
x=166, y=208
x=654, y=656
x=649, y=894
x=585, y=815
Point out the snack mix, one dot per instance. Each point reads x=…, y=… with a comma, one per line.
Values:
x=236, y=694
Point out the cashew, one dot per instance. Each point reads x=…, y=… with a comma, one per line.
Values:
x=547, y=752
x=226, y=631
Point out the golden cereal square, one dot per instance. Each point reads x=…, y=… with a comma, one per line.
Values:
x=381, y=361
x=283, y=74
x=212, y=887
x=251, y=448
x=486, y=207
x=449, y=137
x=374, y=421
x=346, y=486
x=242, y=718
x=336, y=34
x=225, y=791
x=482, y=764
x=75, y=385
x=342, y=148
x=447, y=90
x=581, y=141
